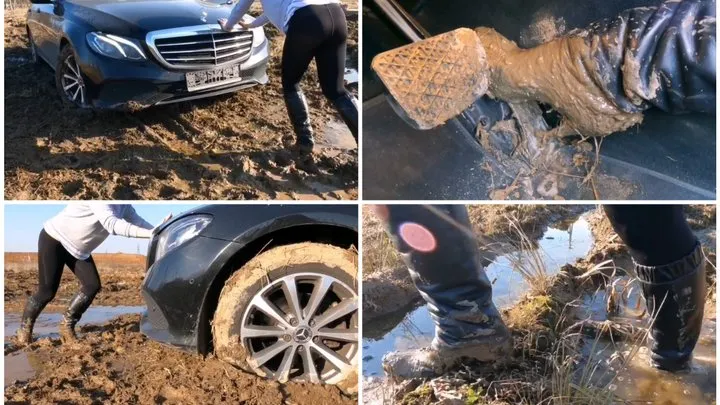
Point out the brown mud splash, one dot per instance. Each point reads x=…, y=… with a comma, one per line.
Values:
x=561, y=73
x=115, y=364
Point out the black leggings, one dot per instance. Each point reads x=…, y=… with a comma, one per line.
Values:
x=320, y=32
x=655, y=234
x=52, y=258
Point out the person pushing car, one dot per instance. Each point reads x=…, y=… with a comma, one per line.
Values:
x=68, y=239
x=313, y=29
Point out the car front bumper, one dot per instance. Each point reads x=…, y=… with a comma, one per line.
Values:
x=131, y=86
x=174, y=290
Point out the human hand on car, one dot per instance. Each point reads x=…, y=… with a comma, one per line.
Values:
x=166, y=219
x=224, y=26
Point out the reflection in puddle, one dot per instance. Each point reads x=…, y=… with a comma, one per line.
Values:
x=21, y=365
x=640, y=381
x=47, y=323
x=556, y=248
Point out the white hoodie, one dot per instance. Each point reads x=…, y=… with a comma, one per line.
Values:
x=278, y=12
x=81, y=228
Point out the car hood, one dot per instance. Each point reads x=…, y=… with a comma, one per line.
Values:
x=138, y=17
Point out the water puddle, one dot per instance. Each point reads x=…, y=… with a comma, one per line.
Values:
x=335, y=138
x=556, y=248
x=18, y=368
x=351, y=76
x=639, y=381
x=47, y=323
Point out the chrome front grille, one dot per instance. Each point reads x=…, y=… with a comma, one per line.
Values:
x=200, y=47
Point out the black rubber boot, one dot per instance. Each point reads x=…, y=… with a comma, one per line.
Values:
x=79, y=304
x=30, y=314
x=300, y=119
x=346, y=106
x=675, y=296
x=438, y=245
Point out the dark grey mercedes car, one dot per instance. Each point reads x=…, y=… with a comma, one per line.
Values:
x=133, y=54
x=270, y=289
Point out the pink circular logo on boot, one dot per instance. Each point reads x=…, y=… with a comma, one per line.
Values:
x=418, y=237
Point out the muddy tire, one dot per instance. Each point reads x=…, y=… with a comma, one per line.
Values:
x=69, y=79
x=291, y=314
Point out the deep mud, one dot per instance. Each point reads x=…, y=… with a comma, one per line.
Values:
x=563, y=351
x=116, y=364
x=121, y=276
x=229, y=147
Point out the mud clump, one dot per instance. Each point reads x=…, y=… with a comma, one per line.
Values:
x=235, y=146
x=115, y=364
x=561, y=73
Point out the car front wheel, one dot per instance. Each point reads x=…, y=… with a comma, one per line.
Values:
x=291, y=314
x=69, y=79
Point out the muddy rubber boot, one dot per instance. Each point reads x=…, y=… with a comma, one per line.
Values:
x=675, y=295
x=600, y=79
x=79, y=304
x=438, y=246
x=299, y=118
x=30, y=314
x=346, y=106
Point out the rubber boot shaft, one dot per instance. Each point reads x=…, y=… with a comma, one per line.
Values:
x=675, y=296
x=300, y=119
x=674, y=46
x=439, y=247
x=27, y=323
x=79, y=304
x=346, y=106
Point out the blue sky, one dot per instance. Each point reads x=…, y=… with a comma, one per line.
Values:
x=23, y=223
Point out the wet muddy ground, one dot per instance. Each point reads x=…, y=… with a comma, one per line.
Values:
x=229, y=147
x=114, y=363
x=604, y=367
x=121, y=276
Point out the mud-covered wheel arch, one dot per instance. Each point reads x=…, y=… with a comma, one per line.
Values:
x=301, y=262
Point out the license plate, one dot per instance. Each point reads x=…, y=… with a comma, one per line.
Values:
x=211, y=78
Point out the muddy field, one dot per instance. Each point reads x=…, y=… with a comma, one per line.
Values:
x=229, y=147
x=121, y=275
x=115, y=363
x=578, y=335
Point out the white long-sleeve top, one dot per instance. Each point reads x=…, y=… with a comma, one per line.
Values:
x=278, y=12
x=81, y=228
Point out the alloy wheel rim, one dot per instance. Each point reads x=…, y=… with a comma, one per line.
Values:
x=72, y=81
x=302, y=327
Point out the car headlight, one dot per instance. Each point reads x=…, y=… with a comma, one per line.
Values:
x=114, y=46
x=180, y=232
